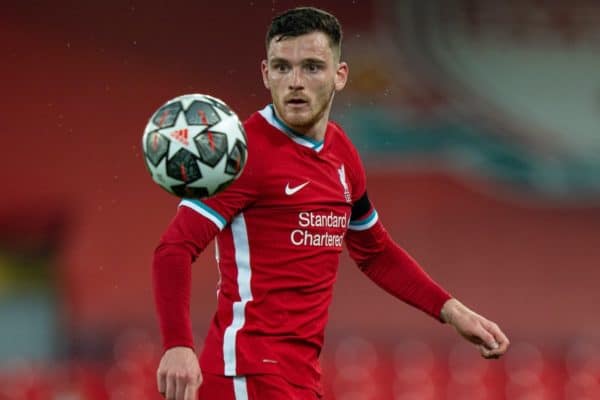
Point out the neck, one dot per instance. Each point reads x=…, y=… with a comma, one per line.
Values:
x=316, y=131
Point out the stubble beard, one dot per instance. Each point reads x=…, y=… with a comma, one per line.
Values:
x=302, y=123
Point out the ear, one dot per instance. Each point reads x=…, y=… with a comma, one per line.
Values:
x=264, y=69
x=341, y=76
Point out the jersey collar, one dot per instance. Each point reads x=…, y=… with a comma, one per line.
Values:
x=269, y=115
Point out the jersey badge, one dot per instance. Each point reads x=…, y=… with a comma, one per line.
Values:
x=342, y=174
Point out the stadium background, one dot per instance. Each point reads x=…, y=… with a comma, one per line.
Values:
x=479, y=124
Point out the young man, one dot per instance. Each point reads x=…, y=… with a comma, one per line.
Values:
x=280, y=233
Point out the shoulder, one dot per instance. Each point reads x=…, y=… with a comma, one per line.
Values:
x=256, y=135
x=257, y=130
x=254, y=126
x=340, y=136
x=343, y=143
x=254, y=121
x=257, y=142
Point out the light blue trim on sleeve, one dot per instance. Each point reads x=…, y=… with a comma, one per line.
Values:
x=205, y=211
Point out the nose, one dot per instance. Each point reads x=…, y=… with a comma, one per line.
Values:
x=296, y=79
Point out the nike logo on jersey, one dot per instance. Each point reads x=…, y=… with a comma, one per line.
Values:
x=291, y=190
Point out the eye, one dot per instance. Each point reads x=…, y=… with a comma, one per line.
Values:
x=313, y=67
x=281, y=67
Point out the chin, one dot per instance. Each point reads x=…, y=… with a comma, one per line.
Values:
x=298, y=123
x=296, y=119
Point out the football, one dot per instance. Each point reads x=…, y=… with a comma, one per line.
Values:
x=194, y=146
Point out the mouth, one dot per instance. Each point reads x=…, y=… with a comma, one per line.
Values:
x=296, y=101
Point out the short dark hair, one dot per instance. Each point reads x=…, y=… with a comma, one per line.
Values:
x=302, y=20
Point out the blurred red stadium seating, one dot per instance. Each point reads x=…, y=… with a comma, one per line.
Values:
x=355, y=368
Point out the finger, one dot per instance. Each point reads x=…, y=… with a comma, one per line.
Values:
x=503, y=347
x=487, y=339
x=182, y=383
x=161, y=383
x=171, y=387
x=487, y=353
x=502, y=340
x=499, y=336
x=190, y=392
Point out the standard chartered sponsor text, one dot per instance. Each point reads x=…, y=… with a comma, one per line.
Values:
x=331, y=220
x=304, y=237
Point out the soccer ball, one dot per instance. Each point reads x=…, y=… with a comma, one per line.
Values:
x=194, y=146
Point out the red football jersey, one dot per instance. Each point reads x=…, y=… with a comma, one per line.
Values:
x=280, y=229
x=283, y=224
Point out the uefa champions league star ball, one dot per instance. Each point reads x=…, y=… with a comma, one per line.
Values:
x=194, y=146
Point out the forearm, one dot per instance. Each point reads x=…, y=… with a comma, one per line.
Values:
x=171, y=275
x=400, y=275
x=394, y=270
x=186, y=236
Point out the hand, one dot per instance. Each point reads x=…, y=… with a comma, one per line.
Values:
x=488, y=337
x=178, y=375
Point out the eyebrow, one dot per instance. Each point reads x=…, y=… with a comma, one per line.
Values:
x=277, y=60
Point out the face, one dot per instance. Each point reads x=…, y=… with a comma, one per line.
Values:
x=302, y=74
